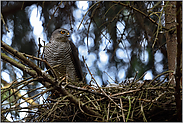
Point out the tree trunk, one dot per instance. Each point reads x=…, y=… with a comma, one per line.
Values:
x=171, y=41
x=178, y=73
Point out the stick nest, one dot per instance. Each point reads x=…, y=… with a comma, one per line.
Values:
x=128, y=101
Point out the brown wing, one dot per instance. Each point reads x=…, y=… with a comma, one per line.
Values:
x=76, y=61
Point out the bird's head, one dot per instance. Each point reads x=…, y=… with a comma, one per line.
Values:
x=60, y=34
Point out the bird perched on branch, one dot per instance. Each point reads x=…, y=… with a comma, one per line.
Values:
x=62, y=55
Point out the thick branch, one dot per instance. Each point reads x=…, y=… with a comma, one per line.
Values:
x=18, y=65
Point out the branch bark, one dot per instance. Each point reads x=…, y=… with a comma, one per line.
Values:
x=178, y=73
x=171, y=40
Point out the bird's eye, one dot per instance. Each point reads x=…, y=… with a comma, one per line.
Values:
x=62, y=32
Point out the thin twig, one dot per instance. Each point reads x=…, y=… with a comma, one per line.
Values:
x=87, y=12
x=4, y=22
x=122, y=110
x=39, y=45
x=99, y=86
x=108, y=108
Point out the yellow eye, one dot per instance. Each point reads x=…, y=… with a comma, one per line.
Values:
x=62, y=32
x=68, y=33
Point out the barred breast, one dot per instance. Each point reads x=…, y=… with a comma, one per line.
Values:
x=58, y=55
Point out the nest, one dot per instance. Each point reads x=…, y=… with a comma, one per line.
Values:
x=129, y=101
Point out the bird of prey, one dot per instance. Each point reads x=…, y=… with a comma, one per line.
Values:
x=62, y=55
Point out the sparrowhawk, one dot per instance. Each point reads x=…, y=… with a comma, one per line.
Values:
x=62, y=55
